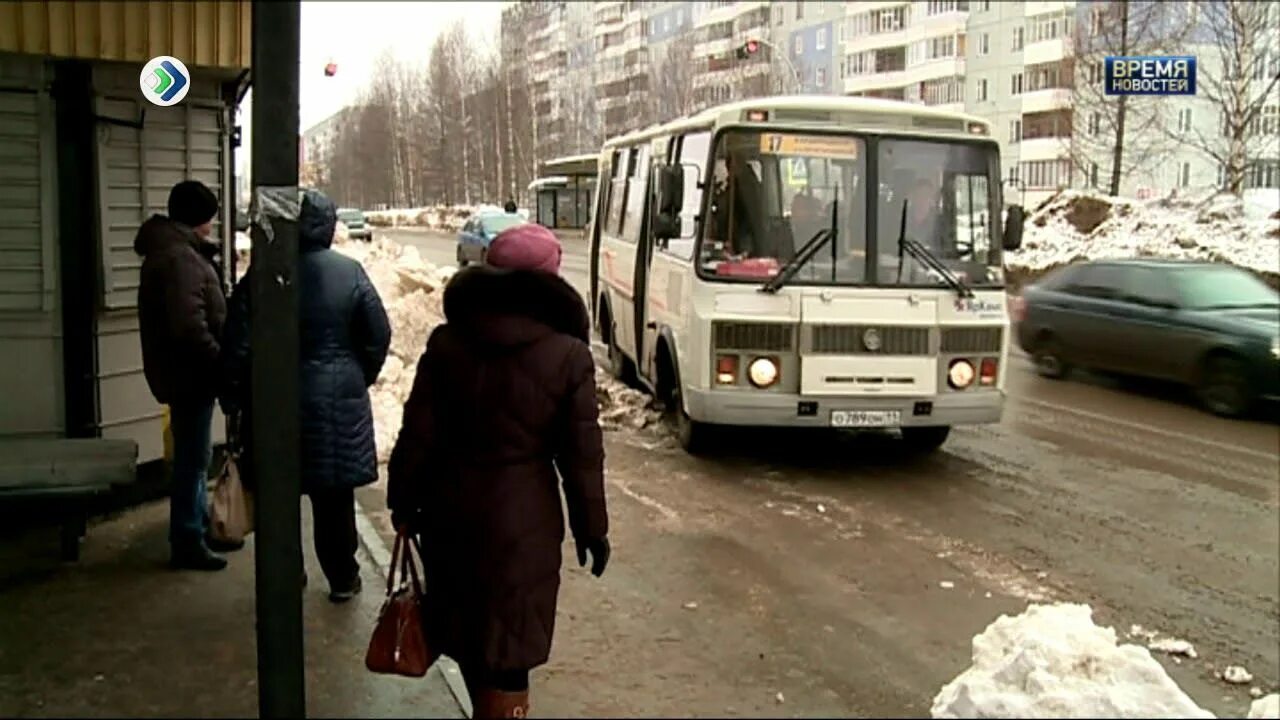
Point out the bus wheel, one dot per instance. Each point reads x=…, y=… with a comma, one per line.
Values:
x=925, y=439
x=694, y=437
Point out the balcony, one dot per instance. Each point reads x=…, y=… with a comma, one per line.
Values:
x=1048, y=148
x=1047, y=51
x=1048, y=100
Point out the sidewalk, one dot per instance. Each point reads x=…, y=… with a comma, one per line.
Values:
x=121, y=635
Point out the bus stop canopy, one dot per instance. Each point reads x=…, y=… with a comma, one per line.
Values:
x=571, y=165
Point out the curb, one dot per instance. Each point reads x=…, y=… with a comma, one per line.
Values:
x=378, y=553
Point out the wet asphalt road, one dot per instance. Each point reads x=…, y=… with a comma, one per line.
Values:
x=799, y=575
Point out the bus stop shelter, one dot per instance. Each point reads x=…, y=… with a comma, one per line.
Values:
x=563, y=191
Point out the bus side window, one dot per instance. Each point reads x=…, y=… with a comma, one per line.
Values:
x=633, y=213
x=694, y=149
x=617, y=193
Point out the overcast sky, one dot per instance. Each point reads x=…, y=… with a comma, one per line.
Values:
x=354, y=34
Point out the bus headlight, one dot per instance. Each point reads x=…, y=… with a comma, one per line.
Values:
x=960, y=374
x=762, y=372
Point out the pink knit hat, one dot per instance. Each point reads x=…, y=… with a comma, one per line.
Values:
x=525, y=247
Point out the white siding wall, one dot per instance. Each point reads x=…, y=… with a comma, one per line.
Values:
x=31, y=384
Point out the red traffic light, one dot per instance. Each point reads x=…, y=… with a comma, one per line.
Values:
x=752, y=47
x=331, y=69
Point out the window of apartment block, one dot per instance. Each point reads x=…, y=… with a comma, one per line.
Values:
x=888, y=20
x=984, y=44
x=1015, y=84
x=777, y=15
x=1095, y=123
x=1098, y=18
x=860, y=24
x=986, y=5
x=820, y=77
x=1270, y=120
x=1018, y=39
x=822, y=39
x=982, y=90
x=799, y=9
x=1015, y=131
x=799, y=45
x=1095, y=73
x=937, y=7
x=1184, y=175
x=1184, y=120
x=1093, y=174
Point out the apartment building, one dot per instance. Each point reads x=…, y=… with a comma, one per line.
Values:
x=720, y=29
x=808, y=55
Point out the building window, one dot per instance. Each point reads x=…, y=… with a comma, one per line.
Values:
x=982, y=90
x=799, y=43
x=822, y=39
x=844, y=31
x=1047, y=173
x=986, y=5
x=984, y=44
x=937, y=7
x=888, y=20
x=1270, y=120
x=1184, y=120
x=1222, y=175
x=1184, y=177
x=666, y=24
x=1098, y=14
x=680, y=16
x=1015, y=174
x=777, y=15
x=1015, y=84
x=1015, y=131
x=1093, y=175
x=1018, y=39
x=820, y=77
x=1095, y=123
x=799, y=9
x=1095, y=73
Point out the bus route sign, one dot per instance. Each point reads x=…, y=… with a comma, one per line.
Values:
x=818, y=146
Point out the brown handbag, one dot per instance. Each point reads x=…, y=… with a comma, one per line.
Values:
x=399, y=644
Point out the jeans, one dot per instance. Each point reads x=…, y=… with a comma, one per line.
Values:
x=190, y=424
x=333, y=516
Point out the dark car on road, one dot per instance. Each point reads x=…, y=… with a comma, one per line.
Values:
x=480, y=230
x=1210, y=326
x=358, y=227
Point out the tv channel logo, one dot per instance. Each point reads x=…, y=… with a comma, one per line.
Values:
x=164, y=81
x=1150, y=75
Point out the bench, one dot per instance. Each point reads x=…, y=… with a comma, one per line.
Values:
x=66, y=474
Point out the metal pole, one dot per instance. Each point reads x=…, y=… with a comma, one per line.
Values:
x=274, y=338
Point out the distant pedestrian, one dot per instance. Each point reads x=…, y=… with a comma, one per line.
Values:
x=181, y=310
x=510, y=207
x=503, y=406
x=345, y=336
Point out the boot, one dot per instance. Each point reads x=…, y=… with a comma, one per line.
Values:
x=493, y=704
x=196, y=557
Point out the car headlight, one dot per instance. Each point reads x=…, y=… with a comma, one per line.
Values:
x=1275, y=348
x=960, y=374
x=762, y=372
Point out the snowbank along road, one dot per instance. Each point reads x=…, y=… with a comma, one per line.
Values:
x=830, y=575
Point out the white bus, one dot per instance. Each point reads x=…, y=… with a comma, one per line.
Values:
x=808, y=262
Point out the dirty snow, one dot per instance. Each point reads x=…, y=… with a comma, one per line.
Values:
x=1053, y=661
x=1237, y=675
x=1267, y=707
x=1173, y=646
x=1075, y=225
x=623, y=408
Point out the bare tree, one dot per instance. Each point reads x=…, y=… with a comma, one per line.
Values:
x=1239, y=74
x=671, y=79
x=1121, y=134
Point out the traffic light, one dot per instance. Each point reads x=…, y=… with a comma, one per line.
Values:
x=748, y=49
x=330, y=69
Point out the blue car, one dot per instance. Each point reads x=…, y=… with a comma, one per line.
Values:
x=474, y=239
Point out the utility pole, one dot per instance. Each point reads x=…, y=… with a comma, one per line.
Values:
x=274, y=360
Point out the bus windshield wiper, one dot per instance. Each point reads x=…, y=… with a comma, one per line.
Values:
x=923, y=256
x=803, y=255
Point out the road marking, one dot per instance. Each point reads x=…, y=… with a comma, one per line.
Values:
x=645, y=500
x=1171, y=434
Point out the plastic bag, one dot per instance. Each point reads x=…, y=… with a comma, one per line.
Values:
x=230, y=504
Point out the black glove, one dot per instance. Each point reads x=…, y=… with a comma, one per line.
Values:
x=407, y=519
x=599, y=549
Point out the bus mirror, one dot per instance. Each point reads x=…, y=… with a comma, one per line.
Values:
x=670, y=189
x=666, y=226
x=1013, y=221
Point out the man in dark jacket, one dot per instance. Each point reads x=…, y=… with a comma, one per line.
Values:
x=502, y=407
x=345, y=336
x=181, y=310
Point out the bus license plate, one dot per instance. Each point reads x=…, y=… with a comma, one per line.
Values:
x=865, y=418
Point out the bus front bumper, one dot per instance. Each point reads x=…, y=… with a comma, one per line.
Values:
x=746, y=408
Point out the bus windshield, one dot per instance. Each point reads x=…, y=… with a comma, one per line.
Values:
x=773, y=191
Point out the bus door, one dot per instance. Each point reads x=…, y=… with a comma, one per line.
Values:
x=620, y=245
x=670, y=271
x=645, y=324
x=593, y=231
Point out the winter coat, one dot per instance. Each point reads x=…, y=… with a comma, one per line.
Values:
x=344, y=338
x=181, y=312
x=503, y=398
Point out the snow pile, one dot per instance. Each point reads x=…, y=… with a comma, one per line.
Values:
x=622, y=408
x=1074, y=225
x=1267, y=707
x=449, y=218
x=410, y=289
x=1053, y=661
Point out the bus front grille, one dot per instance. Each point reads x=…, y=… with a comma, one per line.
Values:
x=868, y=340
x=971, y=340
x=770, y=337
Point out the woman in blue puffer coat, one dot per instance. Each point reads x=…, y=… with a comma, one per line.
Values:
x=345, y=335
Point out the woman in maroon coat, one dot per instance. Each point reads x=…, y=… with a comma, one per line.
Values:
x=504, y=398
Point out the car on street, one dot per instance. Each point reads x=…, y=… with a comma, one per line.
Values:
x=480, y=230
x=358, y=227
x=1210, y=326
